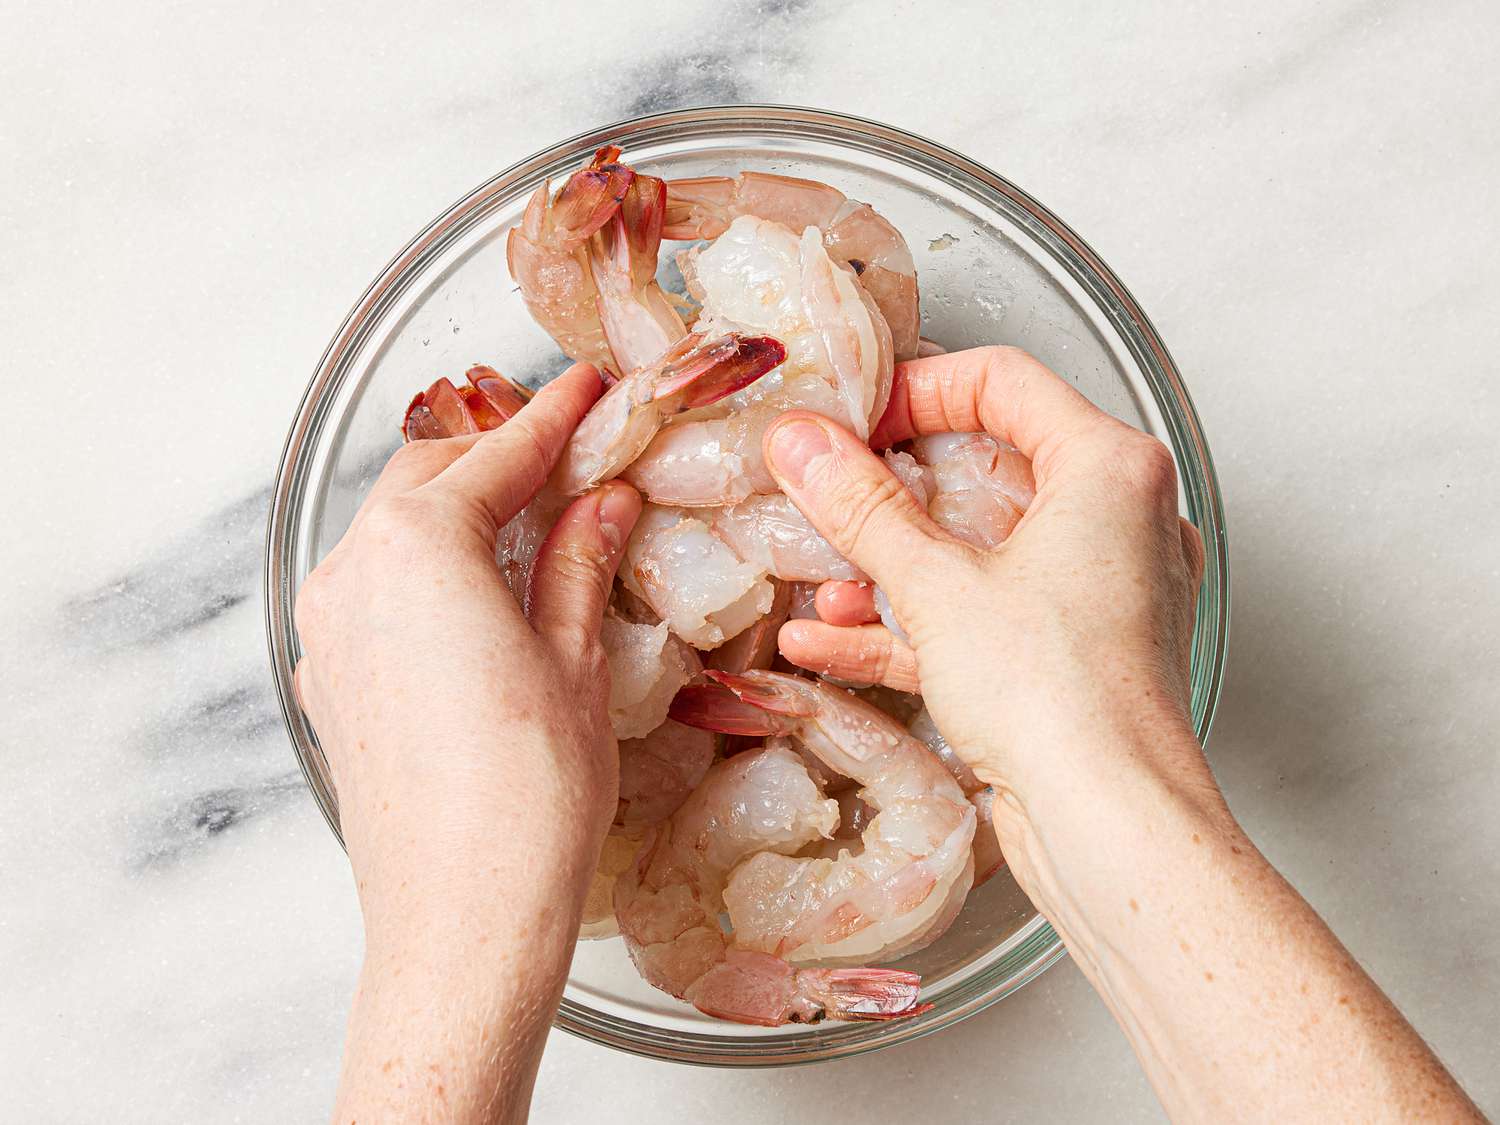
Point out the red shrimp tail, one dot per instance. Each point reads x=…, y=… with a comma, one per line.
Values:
x=505, y=396
x=443, y=410
x=715, y=707
x=640, y=227
x=775, y=692
x=439, y=411
x=862, y=994
x=591, y=196
x=717, y=368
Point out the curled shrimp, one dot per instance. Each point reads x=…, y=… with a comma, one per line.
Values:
x=854, y=233
x=692, y=372
x=916, y=860
x=987, y=856
x=548, y=255
x=585, y=263
x=760, y=277
x=669, y=900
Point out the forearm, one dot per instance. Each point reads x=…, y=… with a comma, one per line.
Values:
x=1237, y=998
x=454, y=1001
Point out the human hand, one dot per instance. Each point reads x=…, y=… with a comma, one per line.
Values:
x=1080, y=621
x=469, y=745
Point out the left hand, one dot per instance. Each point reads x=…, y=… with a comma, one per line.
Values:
x=470, y=746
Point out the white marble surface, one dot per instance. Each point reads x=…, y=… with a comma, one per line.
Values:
x=1302, y=196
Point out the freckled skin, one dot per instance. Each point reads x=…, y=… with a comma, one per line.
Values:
x=471, y=852
x=1056, y=665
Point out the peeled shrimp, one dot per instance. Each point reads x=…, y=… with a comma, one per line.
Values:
x=987, y=856
x=692, y=372
x=855, y=234
x=982, y=487
x=647, y=665
x=691, y=578
x=668, y=902
x=759, y=277
x=772, y=533
x=755, y=647
x=660, y=771
x=917, y=850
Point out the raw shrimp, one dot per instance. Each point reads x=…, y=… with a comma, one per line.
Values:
x=691, y=579
x=692, y=372
x=443, y=410
x=987, y=856
x=668, y=902
x=639, y=321
x=618, y=853
x=854, y=233
x=760, y=277
x=660, y=771
x=982, y=487
x=852, y=909
x=548, y=256
x=772, y=533
x=647, y=664
x=755, y=647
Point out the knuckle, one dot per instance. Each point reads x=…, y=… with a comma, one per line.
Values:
x=398, y=520
x=310, y=610
x=1147, y=465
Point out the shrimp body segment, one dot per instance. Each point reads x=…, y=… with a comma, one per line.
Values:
x=916, y=859
x=692, y=372
x=854, y=233
x=668, y=902
x=691, y=578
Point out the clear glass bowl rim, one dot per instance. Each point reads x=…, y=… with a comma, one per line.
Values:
x=1038, y=947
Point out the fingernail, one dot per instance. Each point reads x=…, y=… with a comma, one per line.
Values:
x=618, y=507
x=795, y=446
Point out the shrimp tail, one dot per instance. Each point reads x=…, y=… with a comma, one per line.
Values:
x=862, y=994
x=591, y=196
x=443, y=410
x=756, y=988
x=714, y=707
x=717, y=369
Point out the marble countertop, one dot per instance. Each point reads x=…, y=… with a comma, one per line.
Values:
x=1302, y=197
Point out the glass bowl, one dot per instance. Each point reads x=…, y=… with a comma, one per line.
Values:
x=995, y=266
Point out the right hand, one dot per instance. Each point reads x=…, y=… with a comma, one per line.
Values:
x=1077, y=626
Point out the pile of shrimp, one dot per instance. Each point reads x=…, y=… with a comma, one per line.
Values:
x=778, y=835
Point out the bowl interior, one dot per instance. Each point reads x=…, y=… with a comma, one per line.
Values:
x=993, y=267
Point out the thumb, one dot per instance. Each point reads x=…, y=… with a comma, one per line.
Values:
x=575, y=566
x=855, y=501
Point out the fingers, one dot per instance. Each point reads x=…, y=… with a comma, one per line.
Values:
x=575, y=566
x=863, y=653
x=846, y=603
x=1002, y=391
x=502, y=471
x=413, y=465
x=854, y=500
